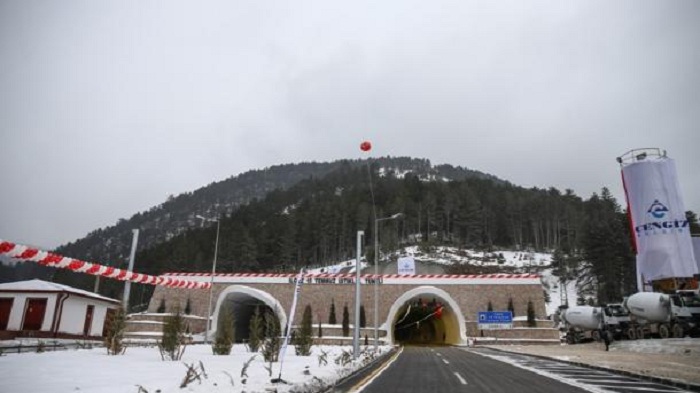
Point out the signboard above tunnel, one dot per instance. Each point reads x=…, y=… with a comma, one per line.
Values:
x=406, y=266
x=369, y=279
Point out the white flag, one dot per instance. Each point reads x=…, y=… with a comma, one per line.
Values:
x=661, y=231
x=407, y=265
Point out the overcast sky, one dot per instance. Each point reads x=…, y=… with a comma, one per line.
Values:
x=108, y=107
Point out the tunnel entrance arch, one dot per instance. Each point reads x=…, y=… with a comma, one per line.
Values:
x=410, y=321
x=243, y=300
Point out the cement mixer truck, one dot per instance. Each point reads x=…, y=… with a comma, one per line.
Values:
x=585, y=322
x=667, y=315
x=580, y=322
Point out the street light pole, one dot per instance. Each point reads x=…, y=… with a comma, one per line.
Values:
x=376, y=276
x=213, y=272
x=376, y=285
x=356, y=332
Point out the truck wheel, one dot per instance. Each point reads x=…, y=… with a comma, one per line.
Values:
x=631, y=334
x=677, y=331
x=595, y=335
x=640, y=333
x=664, y=331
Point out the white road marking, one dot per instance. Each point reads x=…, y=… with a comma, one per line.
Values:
x=462, y=380
x=446, y=361
x=568, y=381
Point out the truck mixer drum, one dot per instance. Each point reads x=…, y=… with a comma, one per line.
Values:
x=650, y=306
x=584, y=317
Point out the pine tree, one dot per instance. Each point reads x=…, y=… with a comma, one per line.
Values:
x=346, y=321
x=172, y=345
x=256, y=331
x=331, y=317
x=363, y=317
x=271, y=344
x=693, y=223
x=304, y=340
x=558, y=263
x=225, y=333
x=115, y=333
x=161, y=307
x=510, y=306
x=531, y=314
x=188, y=307
x=606, y=249
x=580, y=300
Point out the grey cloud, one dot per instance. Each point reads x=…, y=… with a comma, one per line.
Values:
x=107, y=108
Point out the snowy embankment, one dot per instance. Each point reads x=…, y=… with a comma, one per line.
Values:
x=142, y=370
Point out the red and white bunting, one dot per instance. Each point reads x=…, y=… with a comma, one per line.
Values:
x=25, y=253
x=326, y=275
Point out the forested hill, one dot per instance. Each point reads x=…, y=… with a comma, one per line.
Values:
x=315, y=223
x=289, y=216
x=176, y=215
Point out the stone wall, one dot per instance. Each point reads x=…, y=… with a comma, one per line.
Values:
x=469, y=298
x=152, y=322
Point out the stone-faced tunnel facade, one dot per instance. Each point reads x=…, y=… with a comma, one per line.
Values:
x=463, y=296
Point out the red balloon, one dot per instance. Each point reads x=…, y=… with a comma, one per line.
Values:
x=365, y=146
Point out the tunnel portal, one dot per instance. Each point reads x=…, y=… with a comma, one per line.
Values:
x=243, y=302
x=422, y=322
x=426, y=316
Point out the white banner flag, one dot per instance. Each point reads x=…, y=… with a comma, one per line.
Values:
x=661, y=231
x=407, y=265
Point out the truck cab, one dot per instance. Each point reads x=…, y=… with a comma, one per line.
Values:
x=616, y=319
x=685, y=306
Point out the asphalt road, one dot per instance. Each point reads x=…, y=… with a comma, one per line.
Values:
x=450, y=369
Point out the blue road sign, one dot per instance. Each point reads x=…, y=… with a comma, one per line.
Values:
x=495, y=317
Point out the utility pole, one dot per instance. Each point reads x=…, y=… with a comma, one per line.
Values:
x=356, y=334
x=132, y=256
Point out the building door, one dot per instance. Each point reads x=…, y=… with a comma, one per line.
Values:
x=88, y=320
x=34, y=311
x=109, y=319
x=5, y=308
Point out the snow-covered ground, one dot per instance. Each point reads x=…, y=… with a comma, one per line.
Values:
x=677, y=346
x=94, y=371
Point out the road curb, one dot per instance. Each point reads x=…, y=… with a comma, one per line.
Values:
x=664, y=381
x=380, y=360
